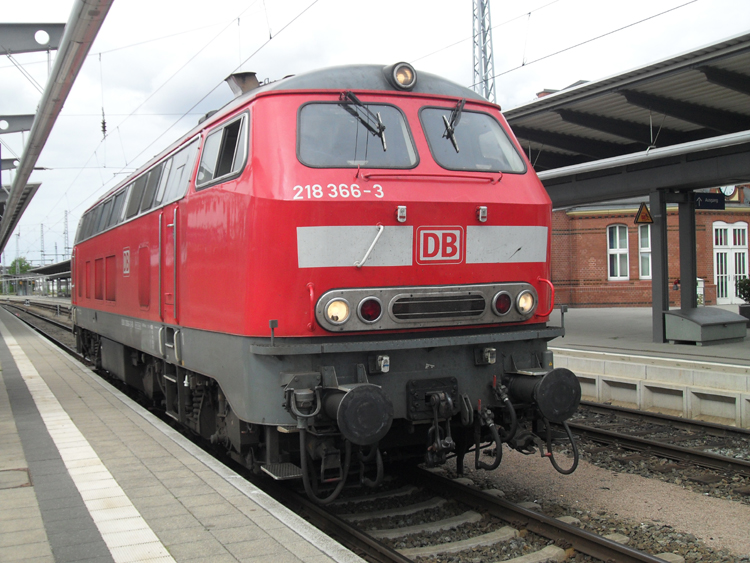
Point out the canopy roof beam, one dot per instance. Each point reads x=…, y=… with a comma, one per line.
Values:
x=716, y=119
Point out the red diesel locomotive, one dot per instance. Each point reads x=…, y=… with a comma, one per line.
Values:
x=335, y=271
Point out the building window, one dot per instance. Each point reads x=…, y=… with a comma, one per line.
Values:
x=617, y=237
x=644, y=251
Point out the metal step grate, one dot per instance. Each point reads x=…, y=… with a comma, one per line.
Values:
x=282, y=471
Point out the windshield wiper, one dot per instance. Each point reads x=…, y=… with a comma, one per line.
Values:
x=372, y=121
x=452, y=123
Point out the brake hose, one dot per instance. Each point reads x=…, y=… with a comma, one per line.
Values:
x=478, y=463
x=513, y=419
x=306, y=477
x=552, y=456
x=374, y=454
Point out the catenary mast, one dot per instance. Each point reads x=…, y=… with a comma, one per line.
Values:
x=484, y=66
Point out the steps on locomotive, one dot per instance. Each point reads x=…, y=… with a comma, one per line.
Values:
x=282, y=471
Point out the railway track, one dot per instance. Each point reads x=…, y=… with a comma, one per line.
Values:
x=681, y=440
x=62, y=324
x=537, y=537
x=531, y=535
x=59, y=309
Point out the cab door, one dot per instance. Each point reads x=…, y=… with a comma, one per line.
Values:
x=177, y=174
x=169, y=245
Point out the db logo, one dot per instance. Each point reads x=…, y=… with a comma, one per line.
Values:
x=440, y=245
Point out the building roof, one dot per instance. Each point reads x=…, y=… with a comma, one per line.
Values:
x=691, y=97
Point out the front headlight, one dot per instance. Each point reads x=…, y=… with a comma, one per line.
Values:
x=525, y=302
x=337, y=311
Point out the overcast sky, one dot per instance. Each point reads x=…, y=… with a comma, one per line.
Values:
x=154, y=60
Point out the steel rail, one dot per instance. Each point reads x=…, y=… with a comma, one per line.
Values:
x=674, y=421
x=49, y=337
x=58, y=324
x=354, y=539
x=661, y=449
x=40, y=304
x=581, y=540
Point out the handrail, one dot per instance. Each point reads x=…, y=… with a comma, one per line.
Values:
x=161, y=220
x=311, y=288
x=551, y=299
x=361, y=263
x=174, y=264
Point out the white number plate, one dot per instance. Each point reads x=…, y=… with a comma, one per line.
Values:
x=337, y=191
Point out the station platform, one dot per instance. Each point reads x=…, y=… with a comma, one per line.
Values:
x=87, y=476
x=612, y=354
x=628, y=330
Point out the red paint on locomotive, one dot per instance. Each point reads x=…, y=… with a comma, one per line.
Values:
x=237, y=241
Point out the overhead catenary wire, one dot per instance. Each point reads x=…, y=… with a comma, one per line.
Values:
x=570, y=47
x=189, y=112
x=196, y=104
x=182, y=115
x=501, y=24
x=129, y=115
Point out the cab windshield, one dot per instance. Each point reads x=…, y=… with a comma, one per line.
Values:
x=346, y=135
x=475, y=141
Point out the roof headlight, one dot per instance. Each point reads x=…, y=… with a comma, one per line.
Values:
x=337, y=311
x=525, y=302
x=401, y=75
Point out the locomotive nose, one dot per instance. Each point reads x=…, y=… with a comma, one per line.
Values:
x=363, y=412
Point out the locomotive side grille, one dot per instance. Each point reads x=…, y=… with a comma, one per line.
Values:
x=438, y=307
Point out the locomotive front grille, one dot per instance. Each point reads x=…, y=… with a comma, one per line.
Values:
x=438, y=307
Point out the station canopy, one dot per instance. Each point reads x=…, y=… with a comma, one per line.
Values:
x=693, y=102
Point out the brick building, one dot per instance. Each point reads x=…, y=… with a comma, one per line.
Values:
x=601, y=258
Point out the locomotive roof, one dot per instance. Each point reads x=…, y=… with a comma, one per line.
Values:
x=345, y=77
x=366, y=77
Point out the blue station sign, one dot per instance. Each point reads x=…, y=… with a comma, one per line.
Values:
x=709, y=201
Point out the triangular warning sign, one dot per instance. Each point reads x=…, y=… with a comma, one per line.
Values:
x=643, y=215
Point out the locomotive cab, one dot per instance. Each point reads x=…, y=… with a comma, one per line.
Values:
x=384, y=294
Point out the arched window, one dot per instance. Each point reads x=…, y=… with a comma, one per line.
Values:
x=617, y=252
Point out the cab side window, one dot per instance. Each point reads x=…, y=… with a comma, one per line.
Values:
x=224, y=153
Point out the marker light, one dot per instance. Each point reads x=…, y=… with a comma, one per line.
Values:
x=337, y=311
x=401, y=75
x=502, y=303
x=370, y=309
x=525, y=302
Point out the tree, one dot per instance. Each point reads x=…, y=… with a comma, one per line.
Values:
x=19, y=266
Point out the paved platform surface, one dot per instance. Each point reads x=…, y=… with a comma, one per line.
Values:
x=87, y=476
x=627, y=330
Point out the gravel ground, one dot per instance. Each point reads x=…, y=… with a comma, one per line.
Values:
x=672, y=516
